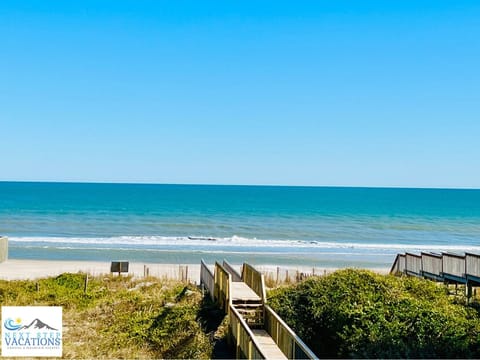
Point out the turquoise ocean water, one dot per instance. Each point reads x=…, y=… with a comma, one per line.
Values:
x=321, y=226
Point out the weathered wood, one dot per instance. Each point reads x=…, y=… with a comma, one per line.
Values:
x=289, y=343
x=250, y=300
x=236, y=277
x=472, y=267
x=241, y=291
x=207, y=279
x=447, y=267
x=413, y=264
x=223, y=279
x=453, y=266
x=247, y=347
x=432, y=265
x=267, y=346
x=398, y=266
x=255, y=280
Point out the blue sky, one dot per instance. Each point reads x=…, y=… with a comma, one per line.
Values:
x=346, y=93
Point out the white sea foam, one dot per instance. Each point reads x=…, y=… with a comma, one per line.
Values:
x=199, y=242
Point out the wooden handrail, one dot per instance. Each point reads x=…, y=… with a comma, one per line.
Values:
x=289, y=343
x=222, y=292
x=255, y=280
x=245, y=343
x=236, y=277
x=207, y=278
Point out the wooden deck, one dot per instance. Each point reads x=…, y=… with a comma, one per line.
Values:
x=242, y=292
x=267, y=345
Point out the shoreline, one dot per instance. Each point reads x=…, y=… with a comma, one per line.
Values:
x=24, y=269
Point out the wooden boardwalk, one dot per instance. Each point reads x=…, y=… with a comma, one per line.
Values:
x=267, y=346
x=445, y=267
x=256, y=331
x=242, y=292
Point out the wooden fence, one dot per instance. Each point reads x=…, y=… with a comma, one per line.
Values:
x=222, y=287
x=207, y=279
x=3, y=248
x=289, y=343
x=246, y=346
x=255, y=280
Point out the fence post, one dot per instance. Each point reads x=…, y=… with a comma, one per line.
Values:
x=86, y=284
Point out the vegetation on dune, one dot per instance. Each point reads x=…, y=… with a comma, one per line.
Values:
x=360, y=314
x=119, y=317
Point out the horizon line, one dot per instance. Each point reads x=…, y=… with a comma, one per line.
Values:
x=239, y=185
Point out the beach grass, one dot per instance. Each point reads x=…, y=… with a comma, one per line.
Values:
x=119, y=316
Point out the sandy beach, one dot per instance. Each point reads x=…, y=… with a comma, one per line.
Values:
x=34, y=269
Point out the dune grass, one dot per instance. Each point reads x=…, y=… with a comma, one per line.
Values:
x=119, y=317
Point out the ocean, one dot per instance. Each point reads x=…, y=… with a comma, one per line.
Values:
x=308, y=226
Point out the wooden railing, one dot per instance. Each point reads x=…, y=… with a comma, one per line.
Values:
x=255, y=280
x=446, y=267
x=398, y=266
x=236, y=277
x=472, y=265
x=207, y=279
x=431, y=264
x=246, y=347
x=288, y=342
x=413, y=264
x=222, y=287
x=453, y=265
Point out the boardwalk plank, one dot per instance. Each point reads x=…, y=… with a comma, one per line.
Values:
x=267, y=345
x=241, y=291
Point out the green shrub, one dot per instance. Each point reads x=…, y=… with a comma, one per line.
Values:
x=360, y=314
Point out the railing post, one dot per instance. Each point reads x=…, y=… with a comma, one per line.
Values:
x=237, y=352
x=249, y=349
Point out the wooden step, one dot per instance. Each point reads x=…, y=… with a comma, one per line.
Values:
x=253, y=315
x=249, y=306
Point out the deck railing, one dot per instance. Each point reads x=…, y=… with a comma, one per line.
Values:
x=398, y=266
x=432, y=264
x=472, y=265
x=255, y=280
x=207, y=279
x=246, y=347
x=222, y=287
x=236, y=277
x=447, y=267
x=413, y=264
x=288, y=342
x=453, y=265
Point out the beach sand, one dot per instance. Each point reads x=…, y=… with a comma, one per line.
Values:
x=34, y=269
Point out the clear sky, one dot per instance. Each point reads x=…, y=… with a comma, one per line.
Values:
x=347, y=93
